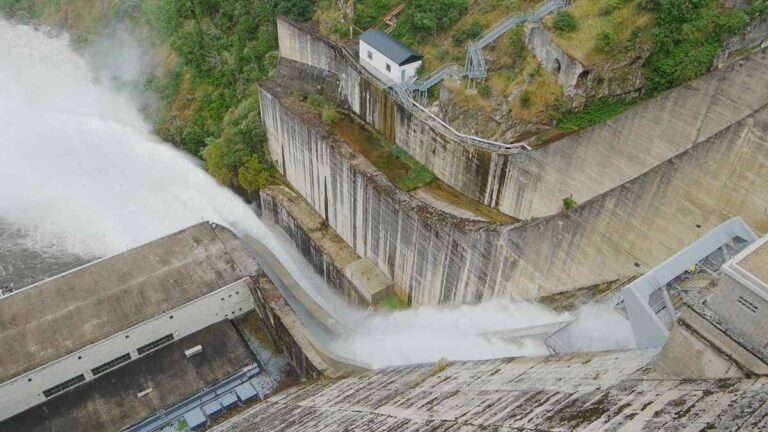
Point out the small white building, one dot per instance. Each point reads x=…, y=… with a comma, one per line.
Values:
x=741, y=298
x=386, y=57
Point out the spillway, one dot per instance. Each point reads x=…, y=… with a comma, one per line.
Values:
x=84, y=177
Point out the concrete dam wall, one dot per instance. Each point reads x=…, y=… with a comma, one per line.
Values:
x=435, y=257
x=586, y=164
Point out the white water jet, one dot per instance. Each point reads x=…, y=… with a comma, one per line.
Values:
x=81, y=172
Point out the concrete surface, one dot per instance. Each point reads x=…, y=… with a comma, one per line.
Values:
x=757, y=263
x=687, y=355
x=111, y=401
x=66, y=313
x=328, y=253
x=364, y=274
x=580, y=392
x=585, y=165
x=435, y=257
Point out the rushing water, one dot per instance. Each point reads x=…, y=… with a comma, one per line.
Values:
x=82, y=176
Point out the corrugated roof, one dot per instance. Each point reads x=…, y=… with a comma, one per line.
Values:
x=390, y=47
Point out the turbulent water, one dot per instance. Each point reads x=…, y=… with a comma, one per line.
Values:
x=82, y=176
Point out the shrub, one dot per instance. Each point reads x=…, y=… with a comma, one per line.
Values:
x=301, y=10
x=484, y=89
x=429, y=16
x=569, y=203
x=565, y=22
x=467, y=32
x=316, y=101
x=256, y=174
x=593, y=112
x=516, y=46
x=525, y=98
x=686, y=38
x=608, y=7
x=606, y=42
x=368, y=12
x=329, y=115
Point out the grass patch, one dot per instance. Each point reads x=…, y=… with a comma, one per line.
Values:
x=619, y=18
x=401, y=168
x=594, y=112
x=392, y=302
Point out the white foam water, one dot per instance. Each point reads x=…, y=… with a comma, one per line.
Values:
x=82, y=173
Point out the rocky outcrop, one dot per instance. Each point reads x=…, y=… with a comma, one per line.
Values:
x=575, y=78
x=497, y=124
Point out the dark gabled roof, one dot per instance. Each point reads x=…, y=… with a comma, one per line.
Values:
x=390, y=47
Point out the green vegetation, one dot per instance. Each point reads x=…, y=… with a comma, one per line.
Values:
x=569, y=203
x=392, y=302
x=420, y=17
x=608, y=7
x=593, y=112
x=687, y=36
x=516, y=49
x=484, y=89
x=182, y=425
x=328, y=112
x=429, y=16
x=565, y=22
x=402, y=169
x=418, y=176
x=215, y=51
x=466, y=32
x=606, y=42
x=525, y=98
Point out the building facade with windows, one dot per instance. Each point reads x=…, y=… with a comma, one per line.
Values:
x=741, y=298
x=71, y=329
x=388, y=58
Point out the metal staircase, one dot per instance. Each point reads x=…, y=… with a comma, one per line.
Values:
x=476, y=67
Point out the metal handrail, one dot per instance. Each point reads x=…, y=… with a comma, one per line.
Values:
x=426, y=116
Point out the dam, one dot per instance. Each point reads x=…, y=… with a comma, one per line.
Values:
x=182, y=307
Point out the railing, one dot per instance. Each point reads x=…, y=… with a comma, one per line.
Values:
x=450, y=69
x=475, y=67
x=423, y=114
x=500, y=28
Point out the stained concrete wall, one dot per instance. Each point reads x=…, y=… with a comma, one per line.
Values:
x=584, y=165
x=285, y=328
x=438, y=258
x=328, y=254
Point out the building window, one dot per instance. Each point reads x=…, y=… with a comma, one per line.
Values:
x=370, y=55
x=748, y=304
x=110, y=364
x=63, y=386
x=389, y=68
x=155, y=344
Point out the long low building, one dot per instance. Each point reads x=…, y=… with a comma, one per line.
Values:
x=67, y=330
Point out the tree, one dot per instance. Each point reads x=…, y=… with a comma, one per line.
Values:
x=301, y=10
x=255, y=174
x=429, y=16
